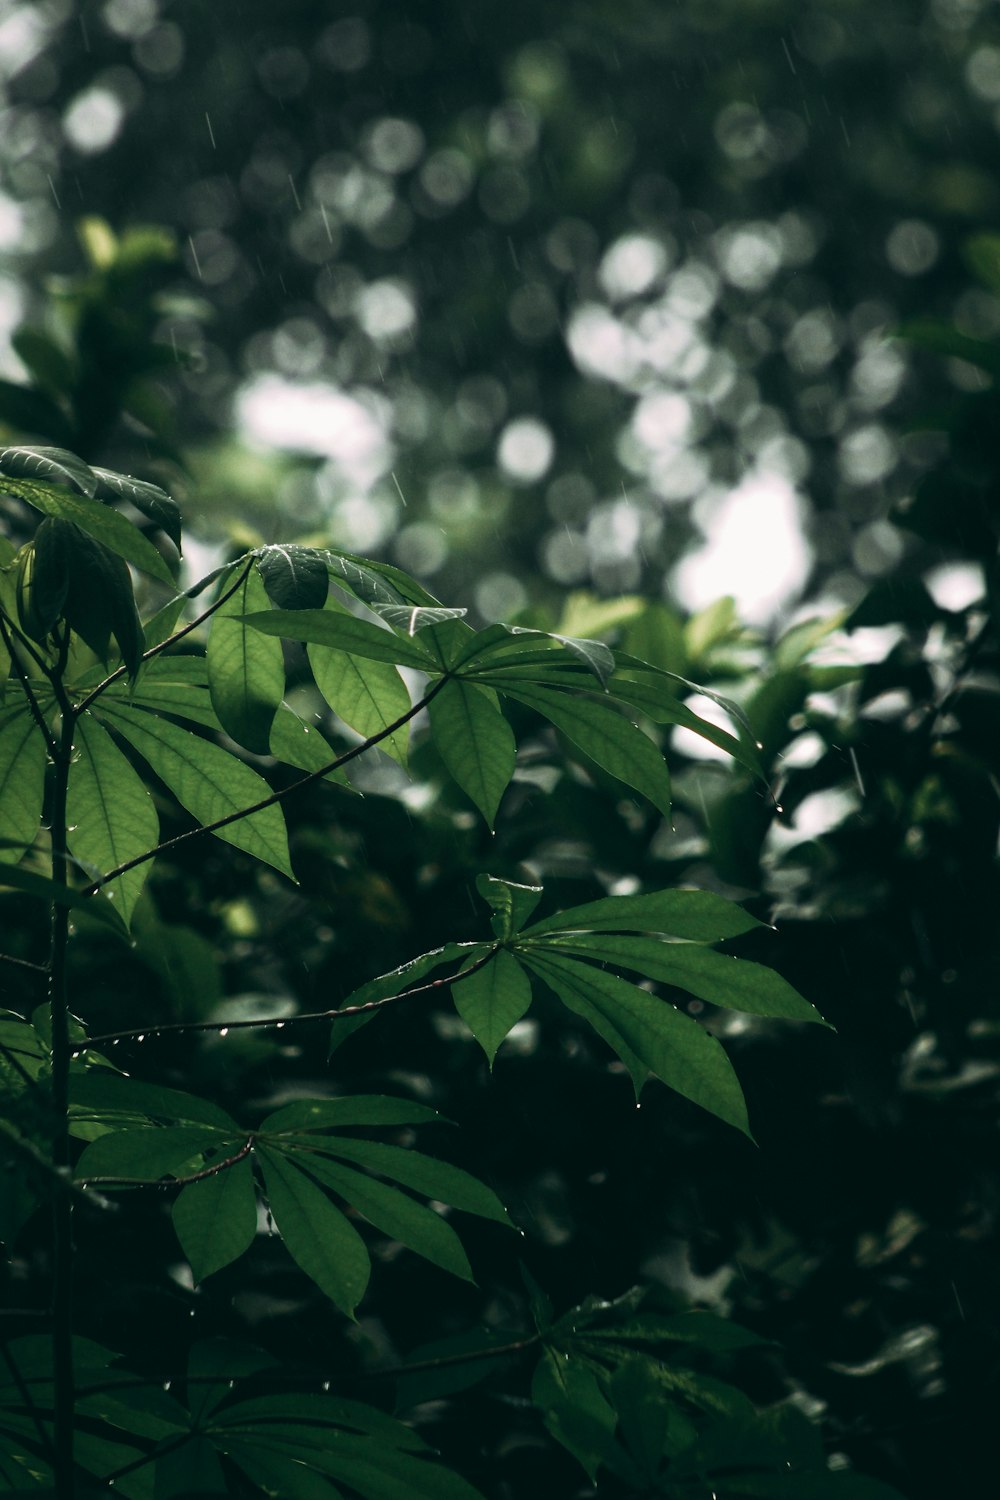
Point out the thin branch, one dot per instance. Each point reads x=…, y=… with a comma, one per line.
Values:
x=28, y=1399
x=171, y=640
x=23, y=963
x=180, y=1028
x=172, y=1182
x=29, y=692
x=269, y=801
x=495, y=1351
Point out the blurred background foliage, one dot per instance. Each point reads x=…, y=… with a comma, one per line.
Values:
x=590, y=316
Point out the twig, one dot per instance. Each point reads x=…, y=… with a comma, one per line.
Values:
x=179, y=1028
x=265, y=802
x=172, y=1182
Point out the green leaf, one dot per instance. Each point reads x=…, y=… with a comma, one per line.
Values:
x=216, y=1219
x=647, y=1031
x=149, y=1152
x=409, y=618
x=425, y=1174
x=719, y=978
x=367, y=695
x=43, y=579
x=657, y=699
x=512, y=645
x=393, y=1212
x=155, y=504
x=696, y=1327
x=316, y=1234
x=246, y=670
x=30, y=410
x=294, y=577
x=50, y=364
x=100, y=602
x=492, y=1000
x=191, y=1471
x=49, y=463
x=298, y=744
x=475, y=742
x=47, y=890
x=611, y=741
x=512, y=904
x=355, y=1109
x=102, y=1095
x=23, y=761
x=698, y=916
x=278, y=1473
x=573, y=1407
x=110, y=813
x=207, y=781
x=104, y=525
x=334, y=627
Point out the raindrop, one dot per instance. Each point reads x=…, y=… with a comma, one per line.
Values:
x=280, y=1026
x=326, y=1385
x=166, y=1385
x=115, y=1041
x=141, y=1037
x=191, y=1313
x=224, y=1031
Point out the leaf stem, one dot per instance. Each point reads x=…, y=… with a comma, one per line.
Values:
x=269, y=801
x=172, y=1182
x=29, y=692
x=180, y=1028
x=62, y=1206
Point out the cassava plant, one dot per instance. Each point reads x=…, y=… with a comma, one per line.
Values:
x=131, y=702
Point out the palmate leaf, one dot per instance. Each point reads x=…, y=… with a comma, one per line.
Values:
x=492, y=1000
x=573, y=1407
x=44, y=889
x=216, y=1219
x=409, y=618
x=294, y=1436
x=155, y=504
x=296, y=743
x=246, y=669
x=110, y=813
x=336, y=628
x=294, y=577
x=317, y=1236
x=512, y=903
x=613, y=742
x=207, y=781
x=23, y=760
x=148, y=1152
x=425, y=1174
x=49, y=463
x=475, y=742
x=367, y=695
x=395, y=1213
x=112, y=1100
x=649, y=1035
x=698, y=916
x=501, y=647
x=720, y=978
x=312, y=1115
x=98, y=521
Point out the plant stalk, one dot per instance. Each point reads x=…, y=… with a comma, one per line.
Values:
x=62, y=1204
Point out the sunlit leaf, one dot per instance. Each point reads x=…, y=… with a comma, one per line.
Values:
x=48, y=463
x=475, y=742
x=98, y=521
x=246, y=669
x=294, y=577
x=110, y=813
x=207, y=781
x=155, y=504
x=606, y=737
x=367, y=695
x=334, y=627
x=492, y=1000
